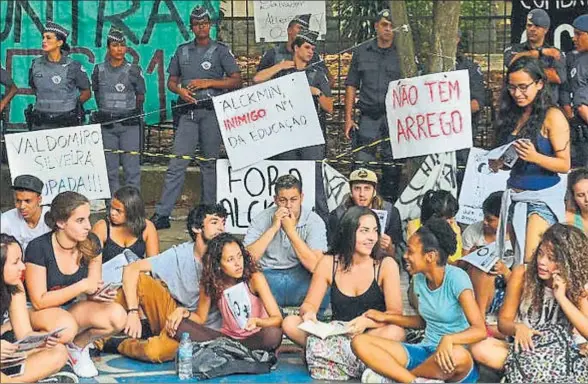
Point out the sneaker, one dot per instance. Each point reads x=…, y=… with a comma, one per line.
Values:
x=160, y=222
x=370, y=376
x=427, y=380
x=81, y=362
x=65, y=375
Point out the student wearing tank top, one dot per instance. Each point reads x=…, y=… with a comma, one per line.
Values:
x=552, y=289
x=541, y=136
x=577, y=213
x=358, y=279
x=127, y=227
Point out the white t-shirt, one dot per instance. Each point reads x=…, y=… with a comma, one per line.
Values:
x=473, y=236
x=13, y=224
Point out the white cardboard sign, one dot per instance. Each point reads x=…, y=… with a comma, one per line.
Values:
x=65, y=159
x=267, y=119
x=429, y=114
x=336, y=186
x=246, y=192
x=271, y=18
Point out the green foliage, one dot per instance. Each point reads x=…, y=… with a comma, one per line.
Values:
x=357, y=17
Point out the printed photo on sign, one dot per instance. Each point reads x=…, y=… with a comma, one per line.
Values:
x=239, y=303
x=382, y=218
x=429, y=112
x=271, y=18
x=267, y=119
x=478, y=183
x=65, y=159
x=246, y=192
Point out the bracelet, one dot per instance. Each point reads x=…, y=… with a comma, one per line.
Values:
x=133, y=310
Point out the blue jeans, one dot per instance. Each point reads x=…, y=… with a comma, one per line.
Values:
x=418, y=353
x=289, y=286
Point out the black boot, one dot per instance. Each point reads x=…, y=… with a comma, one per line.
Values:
x=160, y=222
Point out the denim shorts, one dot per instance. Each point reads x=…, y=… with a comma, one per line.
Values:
x=418, y=353
x=537, y=208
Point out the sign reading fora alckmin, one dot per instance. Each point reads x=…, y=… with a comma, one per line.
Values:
x=272, y=17
x=429, y=114
x=65, y=159
x=267, y=119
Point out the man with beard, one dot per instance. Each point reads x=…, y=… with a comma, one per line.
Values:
x=27, y=220
x=174, y=283
x=538, y=23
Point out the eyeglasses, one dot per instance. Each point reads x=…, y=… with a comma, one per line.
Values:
x=521, y=87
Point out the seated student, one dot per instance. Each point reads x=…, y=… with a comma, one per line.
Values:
x=27, y=220
x=126, y=227
x=287, y=240
x=62, y=265
x=489, y=288
x=41, y=365
x=226, y=264
x=577, y=214
x=552, y=289
x=363, y=183
x=446, y=309
x=173, y=287
x=443, y=205
x=358, y=278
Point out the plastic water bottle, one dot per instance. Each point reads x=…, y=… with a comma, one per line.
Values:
x=184, y=358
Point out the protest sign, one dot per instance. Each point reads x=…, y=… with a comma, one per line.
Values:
x=65, y=159
x=483, y=258
x=267, y=119
x=248, y=191
x=436, y=172
x=429, y=112
x=153, y=30
x=382, y=218
x=336, y=186
x=271, y=18
x=478, y=183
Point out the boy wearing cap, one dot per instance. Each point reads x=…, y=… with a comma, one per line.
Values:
x=27, y=220
x=373, y=66
x=119, y=88
x=363, y=183
x=303, y=47
x=575, y=93
x=60, y=83
x=199, y=70
x=538, y=23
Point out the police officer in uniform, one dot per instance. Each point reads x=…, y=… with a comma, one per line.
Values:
x=477, y=101
x=199, y=70
x=10, y=90
x=575, y=94
x=119, y=89
x=538, y=23
x=60, y=83
x=303, y=47
x=373, y=66
x=284, y=52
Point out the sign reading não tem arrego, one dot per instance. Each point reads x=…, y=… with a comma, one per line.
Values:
x=429, y=114
x=267, y=119
x=65, y=159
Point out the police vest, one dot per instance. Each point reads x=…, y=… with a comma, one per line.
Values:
x=53, y=92
x=115, y=90
x=203, y=63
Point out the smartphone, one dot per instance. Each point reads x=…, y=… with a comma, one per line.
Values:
x=109, y=287
x=15, y=370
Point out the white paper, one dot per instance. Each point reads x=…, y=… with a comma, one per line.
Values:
x=336, y=186
x=267, y=119
x=506, y=153
x=429, y=114
x=239, y=303
x=112, y=270
x=324, y=330
x=483, y=258
x=247, y=192
x=35, y=341
x=65, y=159
x=272, y=17
x=383, y=218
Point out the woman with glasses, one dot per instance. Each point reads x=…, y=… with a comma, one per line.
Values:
x=540, y=134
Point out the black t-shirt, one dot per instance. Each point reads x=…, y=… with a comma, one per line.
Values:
x=40, y=252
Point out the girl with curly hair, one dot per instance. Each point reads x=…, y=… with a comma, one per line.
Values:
x=227, y=263
x=577, y=214
x=551, y=290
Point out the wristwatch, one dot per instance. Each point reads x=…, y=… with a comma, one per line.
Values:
x=540, y=50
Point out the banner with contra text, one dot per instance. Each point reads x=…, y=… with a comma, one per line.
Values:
x=562, y=14
x=65, y=159
x=153, y=29
x=267, y=119
x=272, y=17
x=429, y=114
x=246, y=192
